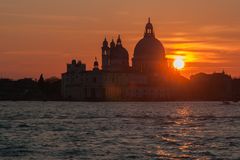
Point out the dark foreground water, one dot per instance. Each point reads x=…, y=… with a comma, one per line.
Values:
x=64, y=130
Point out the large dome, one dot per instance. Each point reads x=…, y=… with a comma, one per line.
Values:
x=149, y=53
x=149, y=48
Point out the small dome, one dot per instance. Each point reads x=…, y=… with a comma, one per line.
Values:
x=74, y=61
x=119, y=52
x=96, y=63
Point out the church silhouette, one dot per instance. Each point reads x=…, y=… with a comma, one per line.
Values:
x=149, y=77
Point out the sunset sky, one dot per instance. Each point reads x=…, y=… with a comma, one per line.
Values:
x=41, y=36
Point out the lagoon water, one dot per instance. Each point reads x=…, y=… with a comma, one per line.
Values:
x=113, y=130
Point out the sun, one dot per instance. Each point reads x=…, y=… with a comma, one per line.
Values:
x=178, y=63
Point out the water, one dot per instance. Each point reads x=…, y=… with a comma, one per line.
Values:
x=67, y=130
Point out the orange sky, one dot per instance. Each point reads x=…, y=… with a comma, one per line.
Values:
x=42, y=36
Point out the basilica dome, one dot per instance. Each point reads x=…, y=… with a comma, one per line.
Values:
x=149, y=53
x=149, y=47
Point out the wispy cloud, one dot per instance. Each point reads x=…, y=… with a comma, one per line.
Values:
x=51, y=17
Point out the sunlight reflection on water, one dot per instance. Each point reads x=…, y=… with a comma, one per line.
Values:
x=67, y=130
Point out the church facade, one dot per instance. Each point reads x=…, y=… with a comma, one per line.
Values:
x=149, y=77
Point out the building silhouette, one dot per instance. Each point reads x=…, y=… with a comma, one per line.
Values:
x=149, y=77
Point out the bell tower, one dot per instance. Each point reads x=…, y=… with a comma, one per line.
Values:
x=105, y=55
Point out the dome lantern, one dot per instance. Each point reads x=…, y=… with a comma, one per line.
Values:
x=149, y=29
x=119, y=41
x=112, y=44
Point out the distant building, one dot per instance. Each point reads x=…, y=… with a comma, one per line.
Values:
x=215, y=86
x=149, y=77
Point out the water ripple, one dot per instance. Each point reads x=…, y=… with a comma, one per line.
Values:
x=72, y=130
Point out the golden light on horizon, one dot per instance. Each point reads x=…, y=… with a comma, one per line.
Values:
x=178, y=63
x=60, y=32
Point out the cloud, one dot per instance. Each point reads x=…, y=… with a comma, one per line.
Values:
x=50, y=17
x=218, y=28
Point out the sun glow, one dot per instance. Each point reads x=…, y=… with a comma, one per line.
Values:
x=178, y=63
